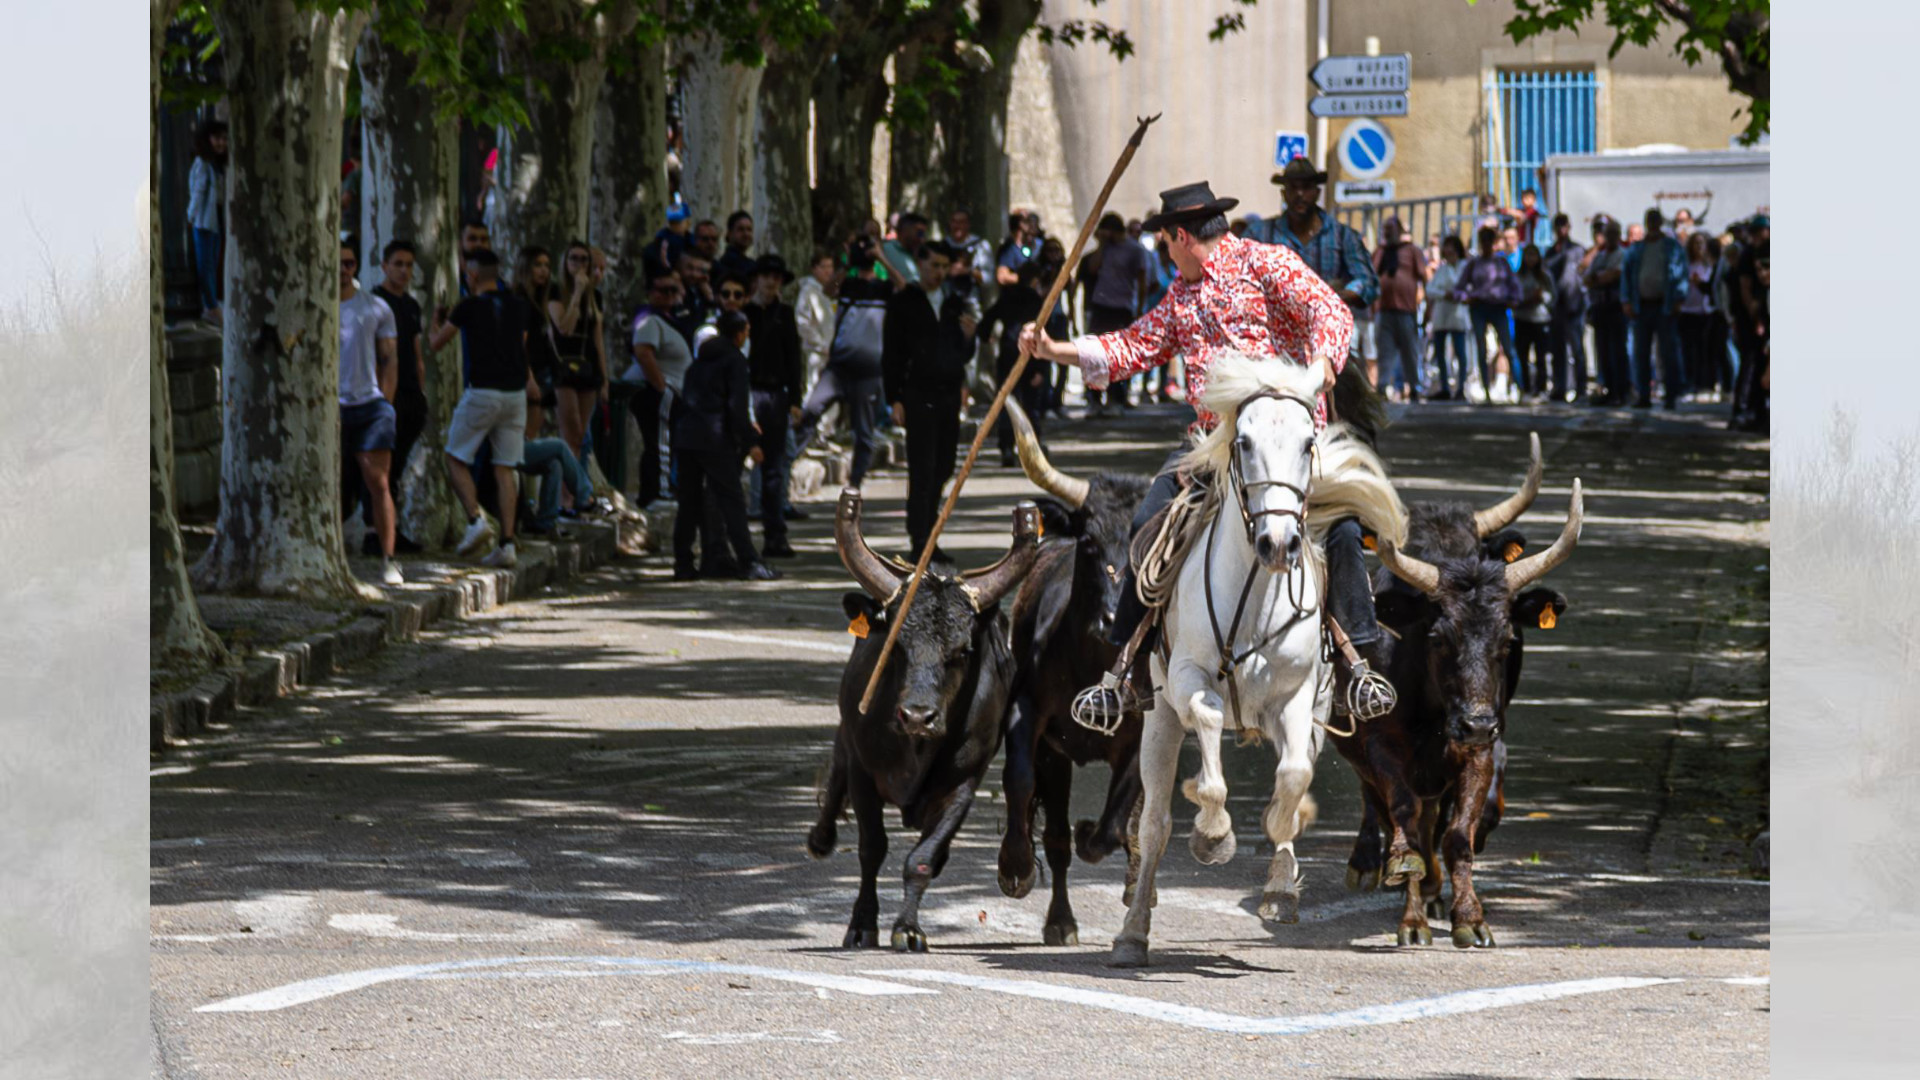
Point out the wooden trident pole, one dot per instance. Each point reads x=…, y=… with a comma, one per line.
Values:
x=993, y=411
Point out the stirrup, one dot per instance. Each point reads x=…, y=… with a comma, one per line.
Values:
x=1102, y=706
x=1369, y=695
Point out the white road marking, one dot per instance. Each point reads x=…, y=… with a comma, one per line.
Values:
x=757, y=639
x=738, y=1038
x=300, y=993
x=388, y=926
x=1465, y=1001
x=1749, y=980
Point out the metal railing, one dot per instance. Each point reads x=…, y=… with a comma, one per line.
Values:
x=1532, y=115
x=1438, y=215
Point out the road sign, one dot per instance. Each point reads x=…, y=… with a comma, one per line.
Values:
x=1366, y=149
x=1334, y=105
x=1288, y=145
x=1362, y=191
x=1364, y=74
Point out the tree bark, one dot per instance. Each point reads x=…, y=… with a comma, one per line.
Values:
x=782, y=195
x=920, y=166
x=629, y=183
x=720, y=97
x=549, y=165
x=977, y=147
x=279, y=527
x=178, y=636
x=849, y=98
x=411, y=191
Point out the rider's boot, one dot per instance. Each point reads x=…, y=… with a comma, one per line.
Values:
x=1361, y=688
x=1101, y=706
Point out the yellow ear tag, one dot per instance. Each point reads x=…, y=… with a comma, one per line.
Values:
x=1039, y=527
x=1369, y=543
x=858, y=627
x=1547, y=618
x=1513, y=552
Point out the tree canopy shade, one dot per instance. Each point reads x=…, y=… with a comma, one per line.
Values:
x=1735, y=31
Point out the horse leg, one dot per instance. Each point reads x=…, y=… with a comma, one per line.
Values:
x=826, y=830
x=1288, y=810
x=926, y=860
x=864, y=927
x=1159, y=764
x=1016, y=779
x=1470, y=928
x=1212, y=840
x=1056, y=792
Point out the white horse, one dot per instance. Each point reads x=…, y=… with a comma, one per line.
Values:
x=1243, y=625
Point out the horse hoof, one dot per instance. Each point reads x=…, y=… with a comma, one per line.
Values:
x=820, y=841
x=1280, y=907
x=1017, y=887
x=1363, y=880
x=1212, y=850
x=860, y=939
x=1472, y=936
x=1404, y=868
x=1128, y=953
x=1418, y=935
x=1063, y=934
x=909, y=939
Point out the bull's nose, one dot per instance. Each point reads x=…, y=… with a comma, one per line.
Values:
x=918, y=716
x=1476, y=730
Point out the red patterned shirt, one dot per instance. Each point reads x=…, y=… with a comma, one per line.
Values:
x=1253, y=298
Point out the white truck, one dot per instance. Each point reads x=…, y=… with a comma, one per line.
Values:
x=1718, y=186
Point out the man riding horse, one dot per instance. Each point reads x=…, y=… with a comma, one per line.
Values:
x=1232, y=295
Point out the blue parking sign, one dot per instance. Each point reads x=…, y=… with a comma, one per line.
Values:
x=1288, y=145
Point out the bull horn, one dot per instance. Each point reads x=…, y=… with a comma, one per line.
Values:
x=1508, y=510
x=1416, y=572
x=1530, y=569
x=987, y=585
x=879, y=577
x=1068, y=489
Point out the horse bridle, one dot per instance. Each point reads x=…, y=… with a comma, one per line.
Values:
x=1236, y=473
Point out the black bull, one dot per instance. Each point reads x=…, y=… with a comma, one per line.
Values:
x=1062, y=616
x=1432, y=769
x=935, y=722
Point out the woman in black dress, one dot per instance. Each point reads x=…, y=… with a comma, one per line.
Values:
x=580, y=371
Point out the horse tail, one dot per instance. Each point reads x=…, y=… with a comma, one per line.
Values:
x=1358, y=405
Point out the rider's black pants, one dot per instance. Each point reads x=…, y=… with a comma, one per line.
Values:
x=1349, y=593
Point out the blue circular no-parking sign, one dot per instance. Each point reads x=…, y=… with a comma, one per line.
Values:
x=1366, y=150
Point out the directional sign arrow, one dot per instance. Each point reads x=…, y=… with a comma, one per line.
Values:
x=1364, y=74
x=1358, y=105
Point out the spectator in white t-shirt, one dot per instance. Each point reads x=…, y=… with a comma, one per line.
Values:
x=369, y=375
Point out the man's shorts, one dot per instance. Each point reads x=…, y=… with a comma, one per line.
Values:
x=496, y=417
x=367, y=427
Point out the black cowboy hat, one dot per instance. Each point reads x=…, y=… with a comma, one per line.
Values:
x=771, y=263
x=1300, y=168
x=1187, y=203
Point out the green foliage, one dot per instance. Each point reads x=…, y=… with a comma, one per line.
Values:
x=1736, y=32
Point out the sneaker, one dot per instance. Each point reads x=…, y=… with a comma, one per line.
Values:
x=502, y=556
x=478, y=533
x=779, y=550
x=390, y=574
x=760, y=572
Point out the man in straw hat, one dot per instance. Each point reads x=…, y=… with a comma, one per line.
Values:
x=1333, y=249
x=1232, y=295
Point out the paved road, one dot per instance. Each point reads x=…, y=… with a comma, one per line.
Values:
x=564, y=839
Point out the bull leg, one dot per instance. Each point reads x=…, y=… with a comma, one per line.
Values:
x=1470, y=928
x=1159, y=765
x=1369, y=846
x=1290, y=808
x=1430, y=816
x=1095, y=842
x=1016, y=779
x=925, y=862
x=1496, y=804
x=826, y=830
x=1212, y=840
x=864, y=928
x=1056, y=791
x=1403, y=819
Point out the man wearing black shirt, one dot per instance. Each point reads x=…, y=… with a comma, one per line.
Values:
x=778, y=370
x=1566, y=341
x=492, y=326
x=925, y=348
x=712, y=431
x=735, y=262
x=410, y=402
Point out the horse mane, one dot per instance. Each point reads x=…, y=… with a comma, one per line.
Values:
x=1349, y=481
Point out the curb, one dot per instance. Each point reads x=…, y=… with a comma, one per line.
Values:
x=270, y=674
